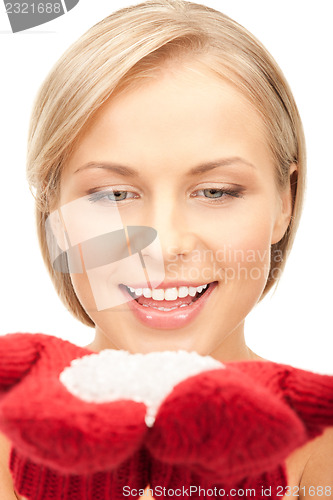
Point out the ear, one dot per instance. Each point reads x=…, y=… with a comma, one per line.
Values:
x=285, y=206
x=56, y=231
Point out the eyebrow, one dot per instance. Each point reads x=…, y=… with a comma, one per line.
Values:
x=127, y=171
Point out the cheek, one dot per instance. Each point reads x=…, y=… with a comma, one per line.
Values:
x=251, y=244
x=83, y=292
x=242, y=247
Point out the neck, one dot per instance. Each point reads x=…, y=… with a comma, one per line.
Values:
x=232, y=348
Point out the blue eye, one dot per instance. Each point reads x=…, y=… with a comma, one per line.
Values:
x=219, y=194
x=113, y=196
x=116, y=196
x=213, y=193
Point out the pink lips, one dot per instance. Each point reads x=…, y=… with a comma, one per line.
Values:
x=166, y=320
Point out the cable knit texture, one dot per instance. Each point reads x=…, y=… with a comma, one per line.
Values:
x=224, y=428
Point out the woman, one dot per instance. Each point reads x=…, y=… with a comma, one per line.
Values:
x=169, y=116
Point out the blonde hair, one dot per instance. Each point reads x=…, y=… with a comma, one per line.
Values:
x=130, y=45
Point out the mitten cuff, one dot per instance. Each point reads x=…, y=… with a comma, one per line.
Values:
x=308, y=394
x=36, y=482
x=311, y=397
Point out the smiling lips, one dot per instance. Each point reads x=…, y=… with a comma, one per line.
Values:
x=168, y=308
x=167, y=299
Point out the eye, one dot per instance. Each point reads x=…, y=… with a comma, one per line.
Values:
x=111, y=196
x=218, y=195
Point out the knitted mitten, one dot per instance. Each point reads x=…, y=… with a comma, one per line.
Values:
x=310, y=395
x=61, y=443
x=246, y=428
x=172, y=419
x=227, y=429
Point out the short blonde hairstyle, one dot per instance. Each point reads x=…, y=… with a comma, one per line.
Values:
x=130, y=46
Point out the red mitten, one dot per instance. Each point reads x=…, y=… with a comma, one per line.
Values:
x=310, y=395
x=228, y=429
x=16, y=358
x=50, y=427
x=245, y=427
x=172, y=419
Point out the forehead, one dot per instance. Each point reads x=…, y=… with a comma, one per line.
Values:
x=175, y=118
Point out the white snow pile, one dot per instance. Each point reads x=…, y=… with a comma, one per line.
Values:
x=112, y=375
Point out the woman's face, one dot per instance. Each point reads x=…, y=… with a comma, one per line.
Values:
x=199, y=172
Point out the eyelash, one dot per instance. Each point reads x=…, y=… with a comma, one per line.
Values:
x=103, y=195
x=232, y=193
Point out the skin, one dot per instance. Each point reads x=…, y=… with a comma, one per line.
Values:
x=183, y=118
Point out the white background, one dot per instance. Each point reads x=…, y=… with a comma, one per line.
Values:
x=292, y=326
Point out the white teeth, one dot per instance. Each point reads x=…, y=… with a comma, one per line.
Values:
x=168, y=308
x=146, y=292
x=171, y=294
x=158, y=294
x=165, y=308
x=183, y=291
x=168, y=293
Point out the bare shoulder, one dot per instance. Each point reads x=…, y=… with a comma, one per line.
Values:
x=317, y=478
x=6, y=482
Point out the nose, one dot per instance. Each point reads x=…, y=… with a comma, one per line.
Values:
x=175, y=231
